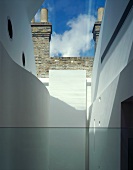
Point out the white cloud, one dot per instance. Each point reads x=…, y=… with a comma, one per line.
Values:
x=50, y=8
x=74, y=41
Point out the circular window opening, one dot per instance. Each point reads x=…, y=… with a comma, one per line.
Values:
x=23, y=59
x=10, y=30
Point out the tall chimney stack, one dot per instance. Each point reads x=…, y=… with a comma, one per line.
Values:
x=97, y=26
x=44, y=15
x=41, y=35
x=100, y=14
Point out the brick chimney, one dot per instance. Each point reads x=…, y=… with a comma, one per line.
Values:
x=97, y=26
x=41, y=36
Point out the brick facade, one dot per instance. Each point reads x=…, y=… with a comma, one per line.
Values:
x=41, y=35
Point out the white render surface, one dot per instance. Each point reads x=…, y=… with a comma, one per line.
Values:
x=112, y=84
x=20, y=13
x=118, y=55
x=68, y=98
x=69, y=86
x=67, y=117
x=111, y=22
x=24, y=100
x=106, y=75
x=88, y=95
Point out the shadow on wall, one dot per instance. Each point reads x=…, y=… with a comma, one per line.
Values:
x=63, y=115
x=24, y=100
x=111, y=143
x=123, y=92
x=123, y=37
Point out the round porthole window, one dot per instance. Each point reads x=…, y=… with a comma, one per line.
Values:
x=10, y=30
x=23, y=59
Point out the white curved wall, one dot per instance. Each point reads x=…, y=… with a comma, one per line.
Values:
x=18, y=12
x=24, y=100
x=24, y=108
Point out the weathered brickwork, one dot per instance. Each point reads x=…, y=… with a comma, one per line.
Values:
x=70, y=63
x=41, y=34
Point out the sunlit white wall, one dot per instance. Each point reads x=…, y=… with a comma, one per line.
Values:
x=68, y=98
x=111, y=84
x=20, y=14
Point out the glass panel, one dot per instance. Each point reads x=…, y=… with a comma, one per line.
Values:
x=65, y=148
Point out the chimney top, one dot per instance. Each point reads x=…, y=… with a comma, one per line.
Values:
x=44, y=15
x=100, y=13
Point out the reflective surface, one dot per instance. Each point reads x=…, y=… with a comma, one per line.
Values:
x=66, y=148
x=42, y=148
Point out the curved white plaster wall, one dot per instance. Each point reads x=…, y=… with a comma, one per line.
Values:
x=24, y=103
x=24, y=100
x=18, y=12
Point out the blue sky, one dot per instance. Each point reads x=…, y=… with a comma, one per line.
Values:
x=72, y=22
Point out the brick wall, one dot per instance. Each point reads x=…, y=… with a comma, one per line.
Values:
x=41, y=35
